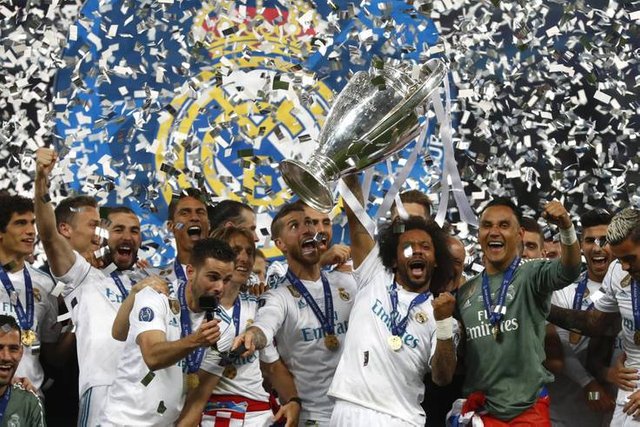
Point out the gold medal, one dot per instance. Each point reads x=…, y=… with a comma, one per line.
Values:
x=230, y=372
x=192, y=381
x=495, y=331
x=421, y=317
x=344, y=295
x=28, y=337
x=174, y=304
x=331, y=342
x=395, y=342
x=574, y=338
x=636, y=338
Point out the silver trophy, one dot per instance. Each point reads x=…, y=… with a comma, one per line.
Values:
x=374, y=116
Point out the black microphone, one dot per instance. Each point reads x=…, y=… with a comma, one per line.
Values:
x=208, y=303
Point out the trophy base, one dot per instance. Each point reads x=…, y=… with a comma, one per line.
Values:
x=304, y=183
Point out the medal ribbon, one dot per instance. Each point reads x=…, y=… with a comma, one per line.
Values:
x=635, y=299
x=236, y=315
x=194, y=359
x=123, y=291
x=180, y=274
x=579, y=295
x=398, y=329
x=4, y=401
x=25, y=319
x=497, y=314
x=325, y=319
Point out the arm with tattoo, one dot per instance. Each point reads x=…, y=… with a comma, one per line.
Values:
x=589, y=322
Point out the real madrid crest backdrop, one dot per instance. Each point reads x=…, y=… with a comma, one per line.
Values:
x=158, y=96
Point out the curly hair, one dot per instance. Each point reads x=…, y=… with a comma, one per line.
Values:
x=389, y=237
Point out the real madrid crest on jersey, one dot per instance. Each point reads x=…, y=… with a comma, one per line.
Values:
x=36, y=294
x=344, y=295
x=626, y=281
x=249, y=322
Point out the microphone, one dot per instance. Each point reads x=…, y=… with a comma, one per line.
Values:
x=208, y=303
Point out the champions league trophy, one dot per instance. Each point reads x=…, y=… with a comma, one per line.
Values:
x=372, y=118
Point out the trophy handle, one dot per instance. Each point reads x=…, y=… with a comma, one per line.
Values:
x=403, y=115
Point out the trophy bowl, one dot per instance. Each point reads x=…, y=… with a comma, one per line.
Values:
x=374, y=116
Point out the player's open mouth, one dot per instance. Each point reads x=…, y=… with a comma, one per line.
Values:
x=309, y=246
x=194, y=232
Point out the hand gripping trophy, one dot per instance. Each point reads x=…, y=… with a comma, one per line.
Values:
x=374, y=116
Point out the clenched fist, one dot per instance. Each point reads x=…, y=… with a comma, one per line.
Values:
x=45, y=160
x=443, y=306
x=556, y=214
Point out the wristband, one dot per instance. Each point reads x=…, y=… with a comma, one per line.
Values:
x=297, y=400
x=568, y=236
x=444, y=328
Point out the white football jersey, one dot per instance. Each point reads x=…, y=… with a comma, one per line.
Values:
x=283, y=314
x=139, y=396
x=370, y=373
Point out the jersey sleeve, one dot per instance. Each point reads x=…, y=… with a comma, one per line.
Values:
x=149, y=312
x=272, y=311
x=76, y=275
x=369, y=268
x=608, y=302
x=550, y=275
x=49, y=325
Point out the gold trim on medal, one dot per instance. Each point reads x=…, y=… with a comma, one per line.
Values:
x=331, y=342
x=192, y=381
x=28, y=337
x=230, y=371
x=395, y=342
x=574, y=337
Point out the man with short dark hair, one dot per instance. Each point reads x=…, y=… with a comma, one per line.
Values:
x=25, y=292
x=532, y=239
x=503, y=311
x=621, y=299
x=234, y=386
x=232, y=212
x=415, y=203
x=307, y=314
x=577, y=398
x=77, y=219
x=20, y=407
x=148, y=387
x=92, y=295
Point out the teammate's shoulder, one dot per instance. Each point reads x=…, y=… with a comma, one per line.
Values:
x=244, y=296
x=21, y=393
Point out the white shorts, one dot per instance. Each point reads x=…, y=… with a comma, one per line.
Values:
x=91, y=405
x=347, y=414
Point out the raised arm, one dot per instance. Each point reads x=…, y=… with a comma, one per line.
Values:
x=555, y=213
x=361, y=241
x=59, y=252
